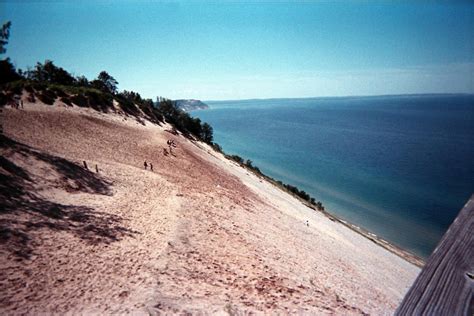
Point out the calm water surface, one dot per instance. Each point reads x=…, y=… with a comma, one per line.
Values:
x=399, y=166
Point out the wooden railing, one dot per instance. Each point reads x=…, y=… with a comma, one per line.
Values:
x=445, y=285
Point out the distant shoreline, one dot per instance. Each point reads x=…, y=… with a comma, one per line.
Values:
x=345, y=97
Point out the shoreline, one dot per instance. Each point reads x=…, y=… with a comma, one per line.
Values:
x=379, y=241
x=404, y=254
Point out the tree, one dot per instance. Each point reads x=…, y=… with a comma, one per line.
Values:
x=7, y=69
x=49, y=72
x=207, y=133
x=248, y=163
x=4, y=35
x=82, y=81
x=106, y=82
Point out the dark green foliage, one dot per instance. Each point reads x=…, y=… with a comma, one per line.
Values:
x=82, y=81
x=184, y=122
x=217, y=147
x=7, y=69
x=207, y=133
x=131, y=96
x=319, y=206
x=290, y=188
x=127, y=105
x=169, y=110
x=8, y=72
x=129, y=101
x=302, y=194
x=50, y=73
x=296, y=191
x=237, y=159
x=249, y=165
x=66, y=100
x=4, y=35
x=105, y=83
x=58, y=91
x=15, y=87
x=80, y=100
x=99, y=101
x=47, y=96
x=147, y=106
x=38, y=86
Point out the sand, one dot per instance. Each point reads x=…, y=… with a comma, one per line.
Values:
x=199, y=234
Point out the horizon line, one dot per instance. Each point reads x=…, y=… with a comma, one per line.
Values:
x=341, y=97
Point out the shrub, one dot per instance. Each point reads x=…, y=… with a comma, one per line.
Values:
x=217, y=147
x=237, y=159
x=80, y=100
x=99, y=101
x=47, y=96
x=58, y=91
x=8, y=71
x=14, y=87
x=66, y=100
x=128, y=106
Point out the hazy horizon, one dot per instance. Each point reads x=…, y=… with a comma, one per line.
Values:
x=241, y=51
x=346, y=96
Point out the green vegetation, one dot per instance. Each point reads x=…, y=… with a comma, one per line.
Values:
x=48, y=83
x=287, y=187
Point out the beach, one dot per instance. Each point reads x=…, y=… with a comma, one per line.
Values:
x=198, y=234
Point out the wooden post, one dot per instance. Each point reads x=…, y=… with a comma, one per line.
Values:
x=445, y=285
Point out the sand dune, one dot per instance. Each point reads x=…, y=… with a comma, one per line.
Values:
x=199, y=234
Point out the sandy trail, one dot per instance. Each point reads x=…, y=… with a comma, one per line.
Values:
x=199, y=234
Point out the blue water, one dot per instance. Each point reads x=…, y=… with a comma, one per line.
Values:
x=399, y=166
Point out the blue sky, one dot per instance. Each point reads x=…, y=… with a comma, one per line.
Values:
x=239, y=50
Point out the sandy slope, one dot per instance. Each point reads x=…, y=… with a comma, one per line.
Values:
x=199, y=234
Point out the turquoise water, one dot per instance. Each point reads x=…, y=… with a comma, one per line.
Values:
x=399, y=166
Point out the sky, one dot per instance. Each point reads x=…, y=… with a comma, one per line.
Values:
x=243, y=50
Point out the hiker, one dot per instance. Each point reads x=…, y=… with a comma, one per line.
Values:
x=21, y=103
x=151, y=166
x=170, y=144
x=145, y=164
x=307, y=223
x=85, y=164
x=96, y=169
x=17, y=102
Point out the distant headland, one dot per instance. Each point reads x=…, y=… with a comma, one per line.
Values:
x=190, y=105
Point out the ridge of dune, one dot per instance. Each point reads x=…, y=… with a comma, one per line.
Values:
x=199, y=234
